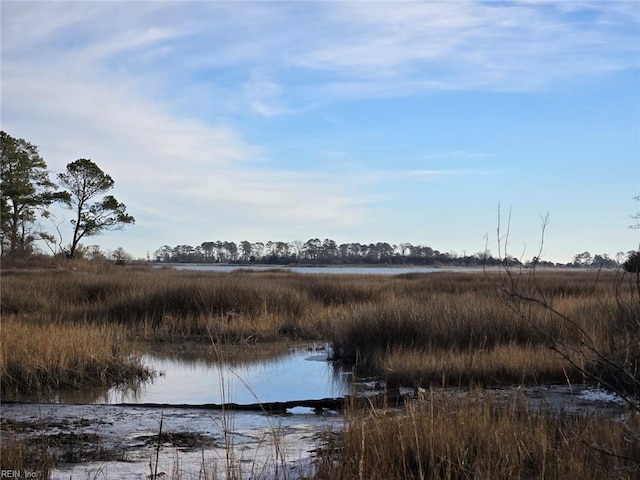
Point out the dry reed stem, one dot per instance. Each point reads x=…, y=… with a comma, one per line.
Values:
x=51, y=356
x=474, y=436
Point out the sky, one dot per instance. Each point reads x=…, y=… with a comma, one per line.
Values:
x=459, y=125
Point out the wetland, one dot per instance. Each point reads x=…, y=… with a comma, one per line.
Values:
x=111, y=373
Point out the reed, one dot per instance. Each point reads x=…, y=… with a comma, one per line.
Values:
x=454, y=326
x=507, y=364
x=39, y=356
x=32, y=457
x=475, y=436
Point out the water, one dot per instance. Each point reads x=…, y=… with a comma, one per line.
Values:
x=198, y=373
x=299, y=374
x=126, y=436
x=330, y=270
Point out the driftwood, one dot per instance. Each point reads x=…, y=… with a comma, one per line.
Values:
x=337, y=404
x=390, y=399
x=267, y=407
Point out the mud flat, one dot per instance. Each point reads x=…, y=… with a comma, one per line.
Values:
x=110, y=441
x=105, y=441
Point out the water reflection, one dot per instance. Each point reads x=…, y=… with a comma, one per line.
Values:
x=202, y=374
x=71, y=396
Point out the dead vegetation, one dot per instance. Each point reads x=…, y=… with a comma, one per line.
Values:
x=474, y=436
x=74, y=328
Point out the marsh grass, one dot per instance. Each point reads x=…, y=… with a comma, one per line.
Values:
x=506, y=364
x=75, y=328
x=18, y=453
x=475, y=436
x=458, y=329
x=39, y=356
x=415, y=328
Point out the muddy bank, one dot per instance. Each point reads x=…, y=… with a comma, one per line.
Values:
x=107, y=441
x=205, y=441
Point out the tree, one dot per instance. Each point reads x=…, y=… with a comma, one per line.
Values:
x=583, y=259
x=208, y=249
x=85, y=181
x=232, y=249
x=329, y=249
x=26, y=192
x=636, y=216
x=245, y=247
x=311, y=248
x=164, y=254
x=120, y=256
x=632, y=265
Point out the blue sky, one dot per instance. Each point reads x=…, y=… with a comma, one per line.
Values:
x=359, y=121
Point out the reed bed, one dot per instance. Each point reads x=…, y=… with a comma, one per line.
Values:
x=418, y=328
x=476, y=436
x=37, y=356
x=27, y=456
x=508, y=364
x=65, y=328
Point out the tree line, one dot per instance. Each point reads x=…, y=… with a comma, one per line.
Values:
x=313, y=251
x=328, y=252
x=27, y=194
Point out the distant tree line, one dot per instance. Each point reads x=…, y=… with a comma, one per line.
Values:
x=316, y=251
x=327, y=252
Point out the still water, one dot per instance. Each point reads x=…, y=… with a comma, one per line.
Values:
x=127, y=437
x=329, y=270
x=196, y=374
x=298, y=373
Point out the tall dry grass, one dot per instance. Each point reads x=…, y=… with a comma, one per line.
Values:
x=28, y=456
x=410, y=328
x=449, y=437
x=72, y=328
x=40, y=356
x=460, y=329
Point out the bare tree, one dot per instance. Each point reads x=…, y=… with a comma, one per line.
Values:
x=616, y=368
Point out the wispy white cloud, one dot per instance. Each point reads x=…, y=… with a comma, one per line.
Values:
x=157, y=92
x=264, y=95
x=431, y=173
x=393, y=48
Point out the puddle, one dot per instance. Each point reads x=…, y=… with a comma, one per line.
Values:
x=298, y=374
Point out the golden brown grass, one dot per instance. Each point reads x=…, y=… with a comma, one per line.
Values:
x=72, y=328
x=39, y=356
x=411, y=328
x=458, y=437
x=494, y=366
